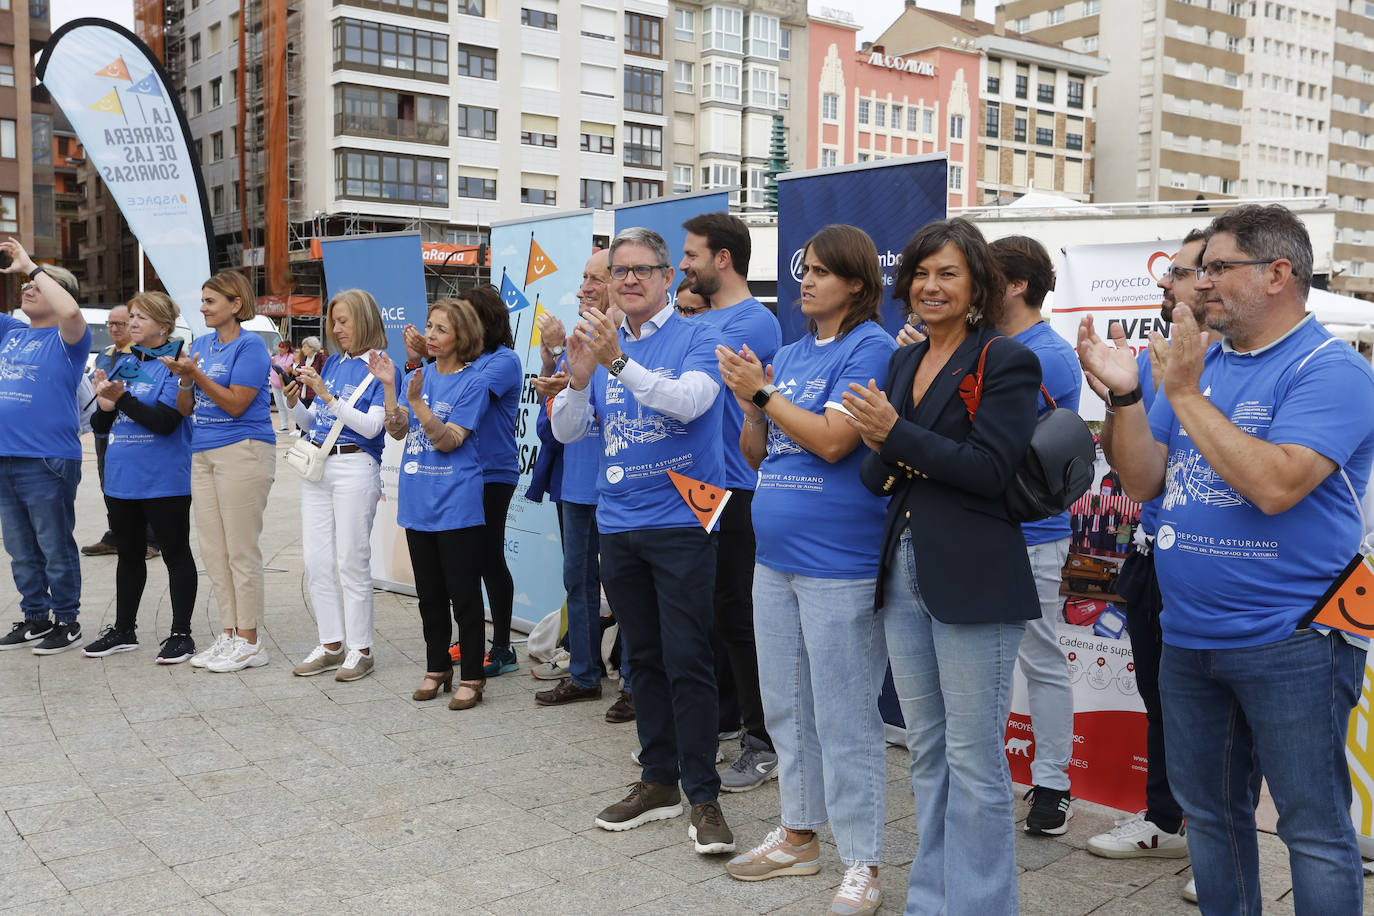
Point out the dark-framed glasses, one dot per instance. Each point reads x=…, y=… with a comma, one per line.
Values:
x=1214, y=269
x=641, y=271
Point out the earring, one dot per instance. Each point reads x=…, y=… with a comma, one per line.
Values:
x=973, y=316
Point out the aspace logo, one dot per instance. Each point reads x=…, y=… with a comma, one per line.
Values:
x=1158, y=263
x=157, y=200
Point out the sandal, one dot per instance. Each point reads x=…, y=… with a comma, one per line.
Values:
x=477, y=687
x=440, y=682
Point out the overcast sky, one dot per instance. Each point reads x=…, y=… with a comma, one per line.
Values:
x=121, y=11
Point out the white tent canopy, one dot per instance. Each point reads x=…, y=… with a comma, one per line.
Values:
x=1331, y=308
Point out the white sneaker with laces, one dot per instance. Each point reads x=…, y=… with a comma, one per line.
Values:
x=555, y=669
x=859, y=892
x=1134, y=836
x=202, y=659
x=1190, y=890
x=242, y=654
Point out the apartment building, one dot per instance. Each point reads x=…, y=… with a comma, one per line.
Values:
x=27, y=207
x=1350, y=164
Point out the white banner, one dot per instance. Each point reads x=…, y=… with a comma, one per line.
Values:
x=114, y=93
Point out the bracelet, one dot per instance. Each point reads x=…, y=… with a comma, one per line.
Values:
x=35, y=272
x=761, y=422
x=185, y=387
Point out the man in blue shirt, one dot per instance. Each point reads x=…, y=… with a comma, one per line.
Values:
x=716, y=261
x=1030, y=275
x=653, y=383
x=1261, y=445
x=40, y=452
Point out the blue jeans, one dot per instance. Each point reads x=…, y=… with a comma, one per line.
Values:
x=1290, y=701
x=822, y=657
x=37, y=517
x=582, y=581
x=1048, y=691
x=954, y=685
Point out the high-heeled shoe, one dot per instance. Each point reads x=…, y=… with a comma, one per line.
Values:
x=426, y=692
x=476, y=686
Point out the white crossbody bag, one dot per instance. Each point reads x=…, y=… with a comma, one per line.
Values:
x=306, y=458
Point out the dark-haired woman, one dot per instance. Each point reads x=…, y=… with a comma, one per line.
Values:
x=955, y=585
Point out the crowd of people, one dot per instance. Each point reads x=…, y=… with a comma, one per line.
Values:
x=864, y=529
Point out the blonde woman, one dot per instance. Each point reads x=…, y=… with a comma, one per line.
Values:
x=223, y=389
x=337, y=509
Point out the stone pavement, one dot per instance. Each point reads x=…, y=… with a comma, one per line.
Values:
x=129, y=787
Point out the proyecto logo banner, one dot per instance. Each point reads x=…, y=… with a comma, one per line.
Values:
x=1115, y=282
x=114, y=92
x=889, y=199
x=390, y=267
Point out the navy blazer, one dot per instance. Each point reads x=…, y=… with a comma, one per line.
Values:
x=947, y=479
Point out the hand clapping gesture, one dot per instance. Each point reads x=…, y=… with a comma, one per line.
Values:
x=870, y=413
x=743, y=375
x=416, y=387
x=1107, y=368
x=107, y=392
x=382, y=368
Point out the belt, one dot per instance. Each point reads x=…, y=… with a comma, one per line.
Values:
x=346, y=449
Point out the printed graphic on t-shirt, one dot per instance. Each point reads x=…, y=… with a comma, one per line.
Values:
x=206, y=409
x=125, y=428
x=16, y=364
x=620, y=430
x=325, y=416
x=779, y=443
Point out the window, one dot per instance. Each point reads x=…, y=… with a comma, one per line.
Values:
x=720, y=82
x=9, y=213
x=956, y=178
x=1057, y=16
x=684, y=76
x=217, y=146
x=539, y=196
x=880, y=114
x=1073, y=141
x=385, y=48
x=369, y=112
x=234, y=83
x=478, y=123
x=643, y=35
x=429, y=9
x=216, y=92
x=682, y=179
x=196, y=104
x=644, y=148
x=391, y=177
x=1019, y=129
x=1090, y=45
x=595, y=195
x=1075, y=93
x=684, y=24
x=217, y=200
x=928, y=122
x=830, y=106
x=763, y=36
x=828, y=158
x=477, y=62
x=956, y=127
x=471, y=7
x=8, y=145
x=1044, y=92
x=195, y=48
x=538, y=19
x=537, y=138
x=1044, y=136
x=641, y=189
x=763, y=87
x=994, y=121
x=912, y=119
x=214, y=39
x=1022, y=82
x=864, y=107
x=6, y=74
x=1092, y=7
x=785, y=44
x=719, y=176
x=722, y=29
x=994, y=85
x=598, y=143
x=479, y=188
x=643, y=90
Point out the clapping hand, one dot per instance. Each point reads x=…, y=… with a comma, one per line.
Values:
x=416, y=386
x=743, y=375
x=870, y=413
x=551, y=334
x=107, y=393
x=414, y=343
x=598, y=331
x=382, y=368
x=183, y=367
x=1112, y=368
x=908, y=335
x=550, y=385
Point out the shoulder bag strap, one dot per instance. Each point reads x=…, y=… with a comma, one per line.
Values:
x=337, y=428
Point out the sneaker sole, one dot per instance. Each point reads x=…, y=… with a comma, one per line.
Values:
x=111, y=651
x=317, y=670
x=799, y=869
x=548, y=676
x=257, y=661
x=504, y=669
x=709, y=848
x=173, y=661
x=56, y=651
x=1163, y=852
x=752, y=785
x=353, y=677
x=653, y=814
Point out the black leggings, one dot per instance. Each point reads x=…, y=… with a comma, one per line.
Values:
x=449, y=586
x=496, y=575
x=169, y=517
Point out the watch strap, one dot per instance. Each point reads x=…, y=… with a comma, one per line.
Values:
x=1114, y=400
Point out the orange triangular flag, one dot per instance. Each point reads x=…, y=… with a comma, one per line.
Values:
x=108, y=103
x=115, y=69
x=1349, y=603
x=539, y=264
x=705, y=500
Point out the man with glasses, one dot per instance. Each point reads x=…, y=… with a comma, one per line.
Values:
x=652, y=381
x=117, y=324
x=1260, y=446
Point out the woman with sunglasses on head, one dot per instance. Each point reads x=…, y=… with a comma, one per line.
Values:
x=954, y=582
x=820, y=646
x=691, y=303
x=223, y=389
x=337, y=510
x=147, y=479
x=440, y=494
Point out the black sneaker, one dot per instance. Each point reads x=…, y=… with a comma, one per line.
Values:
x=109, y=642
x=25, y=632
x=62, y=637
x=1049, y=812
x=176, y=649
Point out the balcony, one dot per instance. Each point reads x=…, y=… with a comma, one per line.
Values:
x=359, y=125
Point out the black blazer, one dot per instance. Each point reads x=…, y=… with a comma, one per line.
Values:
x=948, y=478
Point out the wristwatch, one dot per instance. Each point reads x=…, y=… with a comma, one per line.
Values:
x=761, y=396
x=618, y=364
x=557, y=350
x=1115, y=400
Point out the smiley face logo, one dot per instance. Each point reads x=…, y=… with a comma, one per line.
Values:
x=1360, y=592
x=701, y=494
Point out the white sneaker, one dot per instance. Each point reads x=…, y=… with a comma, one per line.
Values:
x=1135, y=836
x=859, y=892
x=223, y=642
x=242, y=654
x=1190, y=891
x=555, y=669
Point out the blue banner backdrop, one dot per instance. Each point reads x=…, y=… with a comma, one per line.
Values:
x=391, y=268
x=889, y=199
x=537, y=265
x=665, y=215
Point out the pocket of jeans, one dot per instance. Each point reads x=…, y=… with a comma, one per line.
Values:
x=59, y=468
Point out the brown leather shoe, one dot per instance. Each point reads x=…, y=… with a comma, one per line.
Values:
x=100, y=548
x=623, y=709
x=565, y=691
x=709, y=831
x=478, y=687
x=647, y=801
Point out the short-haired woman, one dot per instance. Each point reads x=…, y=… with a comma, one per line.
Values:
x=147, y=480
x=337, y=509
x=310, y=353
x=440, y=493
x=223, y=389
x=285, y=360
x=820, y=646
x=954, y=584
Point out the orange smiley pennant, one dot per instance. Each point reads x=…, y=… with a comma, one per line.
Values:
x=705, y=500
x=1349, y=603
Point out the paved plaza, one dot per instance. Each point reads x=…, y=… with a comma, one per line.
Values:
x=129, y=787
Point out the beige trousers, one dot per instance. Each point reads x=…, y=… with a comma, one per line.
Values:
x=229, y=487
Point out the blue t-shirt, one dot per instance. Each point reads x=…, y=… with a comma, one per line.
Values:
x=581, y=462
x=640, y=445
x=1149, y=512
x=1063, y=379
x=342, y=377
x=242, y=361
x=142, y=464
x=1230, y=575
x=748, y=322
x=811, y=517
x=503, y=374
x=106, y=359
x=442, y=491
x=38, y=378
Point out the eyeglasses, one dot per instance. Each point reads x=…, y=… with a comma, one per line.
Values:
x=1214, y=269
x=26, y=285
x=641, y=271
x=116, y=324
x=1176, y=273
x=688, y=311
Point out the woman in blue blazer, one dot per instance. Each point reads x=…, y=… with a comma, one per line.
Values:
x=954, y=585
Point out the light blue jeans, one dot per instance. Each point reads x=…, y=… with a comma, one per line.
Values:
x=1048, y=691
x=954, y=685
x=821, y=663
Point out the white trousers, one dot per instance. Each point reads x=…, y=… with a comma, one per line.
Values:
x=336, y=530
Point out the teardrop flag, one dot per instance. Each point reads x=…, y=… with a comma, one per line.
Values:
x=1349, y=603
x=539, y=264
x=706, y=501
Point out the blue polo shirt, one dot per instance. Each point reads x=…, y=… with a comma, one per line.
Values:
x=442, y=491
x=242, y=361
x=38, y=378
x=1063, y=379
x=748, y=322
x=142, y=464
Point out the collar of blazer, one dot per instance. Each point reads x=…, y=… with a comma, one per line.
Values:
x=946, y=384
